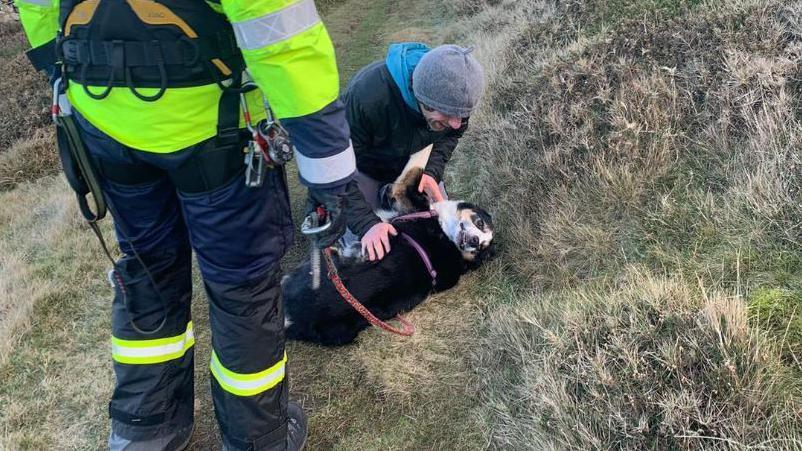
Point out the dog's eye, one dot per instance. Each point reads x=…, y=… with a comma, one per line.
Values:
x=480, y=224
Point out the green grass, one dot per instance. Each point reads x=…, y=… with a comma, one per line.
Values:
x=777, y=312
x=358, y=36
x=610, y=13
x=362, y=30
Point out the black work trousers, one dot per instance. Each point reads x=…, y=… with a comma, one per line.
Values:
x=164, y=206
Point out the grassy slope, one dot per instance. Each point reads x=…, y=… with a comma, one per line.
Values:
x=649, y=300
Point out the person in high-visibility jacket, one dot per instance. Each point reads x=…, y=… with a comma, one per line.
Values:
x=147, y=82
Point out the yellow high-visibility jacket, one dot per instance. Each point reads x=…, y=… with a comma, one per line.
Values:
x=289, y=55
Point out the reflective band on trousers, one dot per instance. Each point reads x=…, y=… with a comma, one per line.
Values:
x=152, y=351
x=329, y=169
x=277, y=26
x=247, y=384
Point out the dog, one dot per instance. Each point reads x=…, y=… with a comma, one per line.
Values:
x=456, y=239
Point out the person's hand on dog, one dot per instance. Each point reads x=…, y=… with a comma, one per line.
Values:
x=332, y=202
x=430, y=186
x=376, y=241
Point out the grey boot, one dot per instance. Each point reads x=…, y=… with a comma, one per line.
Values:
x=296, y=426
x=176, y=441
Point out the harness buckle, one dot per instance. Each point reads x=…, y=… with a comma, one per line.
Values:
x=71, y=51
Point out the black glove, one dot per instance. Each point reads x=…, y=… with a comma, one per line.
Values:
x=333, y=202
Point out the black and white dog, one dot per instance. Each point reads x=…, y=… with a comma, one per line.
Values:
x=456, y=239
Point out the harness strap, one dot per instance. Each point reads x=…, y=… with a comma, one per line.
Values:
x=185, y=52
x=422, y=252
x=423, y=256
x=80, y=171
x=228, y=114
x=413, y=216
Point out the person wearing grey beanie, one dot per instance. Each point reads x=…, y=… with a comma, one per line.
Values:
x=414, y=98
x=450, y=81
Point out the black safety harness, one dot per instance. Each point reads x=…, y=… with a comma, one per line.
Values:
x=145, y=45
x=138, y=44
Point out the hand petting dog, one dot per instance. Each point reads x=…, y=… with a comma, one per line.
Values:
x=430, y=186
x=376, y=241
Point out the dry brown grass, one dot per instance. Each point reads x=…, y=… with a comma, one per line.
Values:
x=601, y=134
x=662, y=135
x=53, y=375
x=29, y=158
x=643, y=363
x=26, y=98
x=26, y=137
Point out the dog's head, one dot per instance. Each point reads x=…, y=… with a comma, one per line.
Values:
x=469, y=227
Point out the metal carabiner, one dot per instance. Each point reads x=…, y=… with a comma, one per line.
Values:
x=311, y=226
x=55, y=108
x=246, y=114
x=254, y=166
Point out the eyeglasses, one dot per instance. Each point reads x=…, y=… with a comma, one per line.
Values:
x=462, y=122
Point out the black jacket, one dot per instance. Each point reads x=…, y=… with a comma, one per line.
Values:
x=385, y=131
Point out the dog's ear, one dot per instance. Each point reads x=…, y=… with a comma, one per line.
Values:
x=419, y=201
x=405, y=195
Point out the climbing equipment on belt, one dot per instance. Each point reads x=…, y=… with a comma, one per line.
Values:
x=270, y=143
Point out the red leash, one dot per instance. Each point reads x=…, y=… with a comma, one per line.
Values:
x=407, y=328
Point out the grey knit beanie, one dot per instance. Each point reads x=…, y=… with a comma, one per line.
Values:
x=450, y=80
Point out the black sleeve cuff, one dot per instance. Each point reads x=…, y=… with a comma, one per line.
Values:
x=359, y=215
